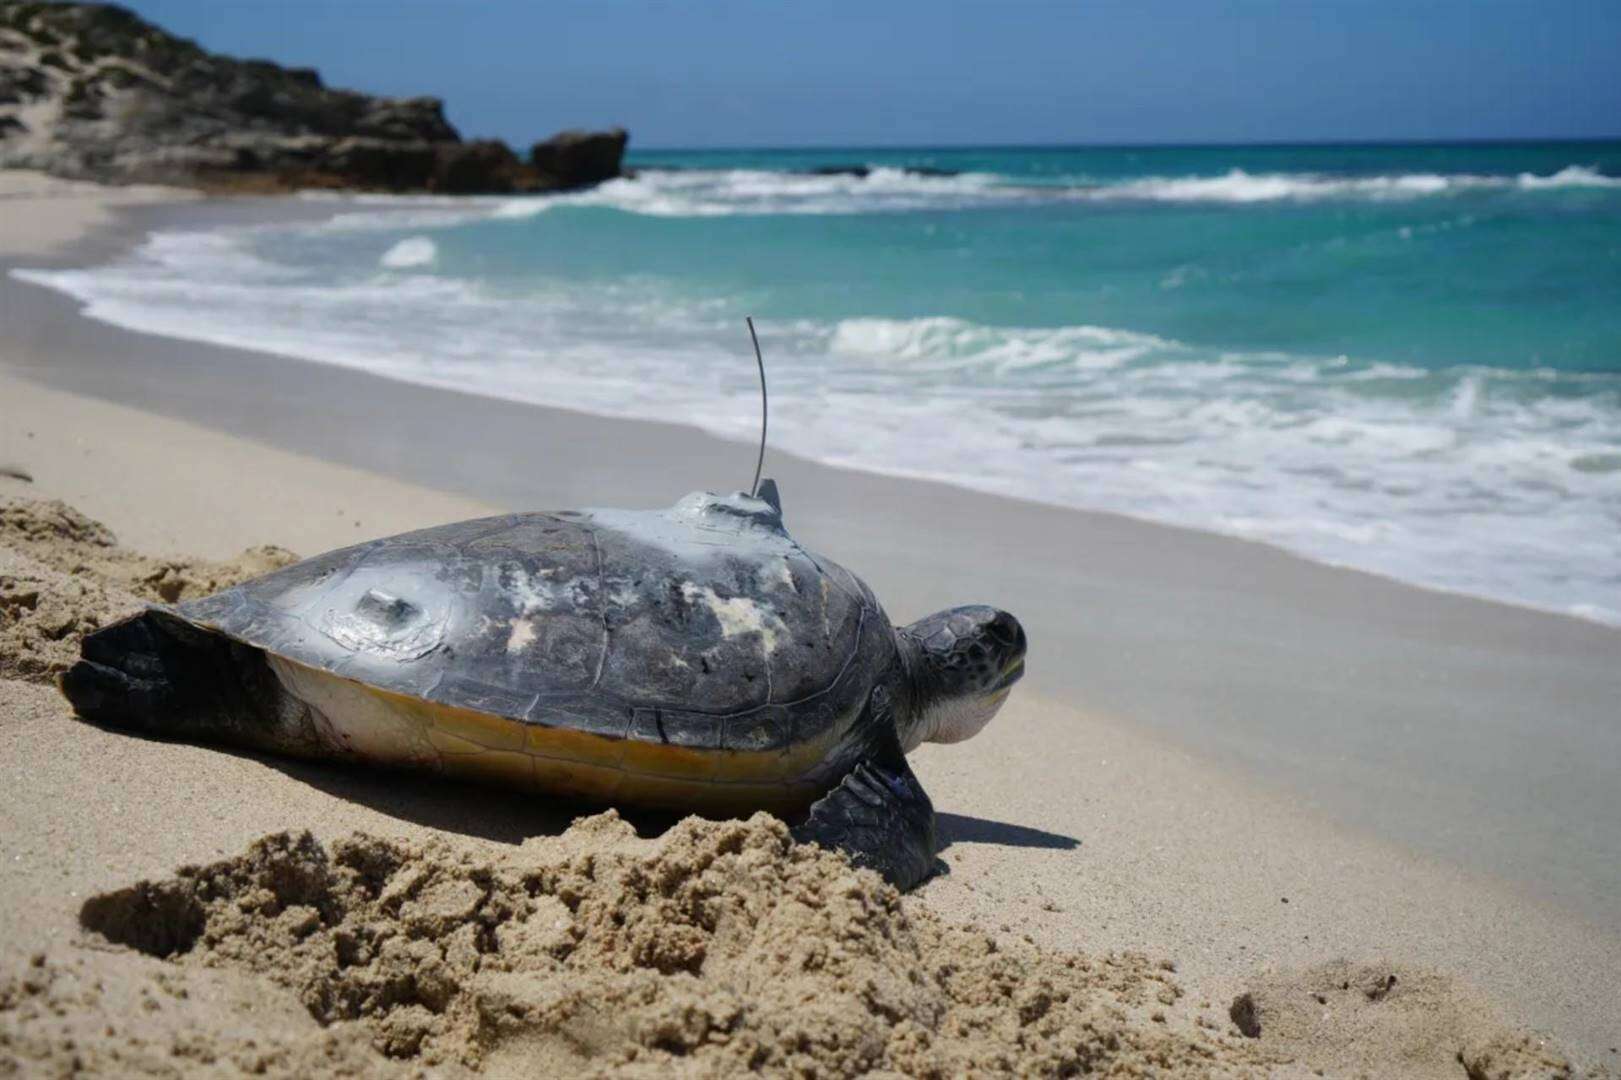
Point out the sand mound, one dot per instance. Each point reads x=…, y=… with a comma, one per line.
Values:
x=720, y=948
x=44, y=612
x=723, y=948
x=63, y=575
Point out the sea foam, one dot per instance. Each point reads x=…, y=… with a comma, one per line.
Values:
x=411, y=252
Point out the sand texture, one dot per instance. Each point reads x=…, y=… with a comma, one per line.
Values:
x=63, y=575
x=43, y=211
x=714, y=949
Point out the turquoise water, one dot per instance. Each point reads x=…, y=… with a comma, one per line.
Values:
x=1401, y=358
x=1307, y=250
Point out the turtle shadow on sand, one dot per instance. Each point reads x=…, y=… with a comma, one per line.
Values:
x=510, y=817
x=459, y=806
x=502, y=815
x=952, y=829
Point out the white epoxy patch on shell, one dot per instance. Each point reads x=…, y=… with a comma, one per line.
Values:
x=738, y=615
x=535, y=593
x=378, y=612
x=703, y=527
x=522, y=636
x=777, y=572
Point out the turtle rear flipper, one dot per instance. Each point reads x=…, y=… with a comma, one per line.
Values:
x=879, y=814
x=157, y=674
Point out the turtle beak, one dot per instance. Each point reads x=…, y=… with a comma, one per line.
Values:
x=1013, y=673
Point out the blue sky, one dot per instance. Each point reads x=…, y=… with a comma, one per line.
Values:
x=931, y=72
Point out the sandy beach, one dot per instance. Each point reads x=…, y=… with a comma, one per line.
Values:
x=1264, y=772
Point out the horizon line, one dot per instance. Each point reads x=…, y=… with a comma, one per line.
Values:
x=1507, y=140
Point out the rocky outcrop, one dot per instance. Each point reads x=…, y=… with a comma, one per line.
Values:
x=92, y=91
x=480, y=167
x=572, y=159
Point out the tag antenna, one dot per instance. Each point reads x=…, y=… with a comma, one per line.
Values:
x=759, y=361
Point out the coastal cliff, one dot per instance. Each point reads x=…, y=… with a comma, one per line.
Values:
x=95, y=92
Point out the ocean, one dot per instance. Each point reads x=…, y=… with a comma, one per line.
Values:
x=1404, y=359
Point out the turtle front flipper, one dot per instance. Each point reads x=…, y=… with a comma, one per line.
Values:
x=878, y=814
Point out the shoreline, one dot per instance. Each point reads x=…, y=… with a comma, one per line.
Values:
x=98, y=247
x=1161, y=647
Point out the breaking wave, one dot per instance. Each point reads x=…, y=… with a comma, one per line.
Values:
x=700, y=193
x=1238, y=186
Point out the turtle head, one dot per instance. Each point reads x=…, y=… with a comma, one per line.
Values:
x=960, y=663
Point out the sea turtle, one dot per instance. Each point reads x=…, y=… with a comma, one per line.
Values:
x=694, y=658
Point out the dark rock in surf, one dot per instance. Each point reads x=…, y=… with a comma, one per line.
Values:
x=572, y=159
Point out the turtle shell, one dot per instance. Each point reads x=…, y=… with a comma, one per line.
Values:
x=705, y=626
